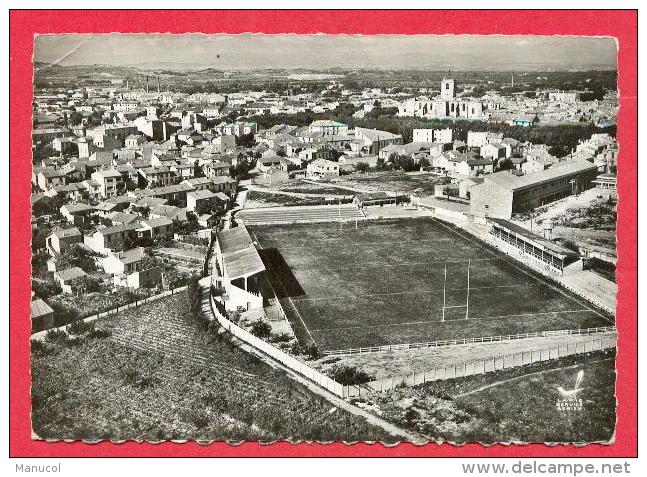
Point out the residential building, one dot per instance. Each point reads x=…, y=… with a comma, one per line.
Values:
x=202, y=200
x=65, y=278
x=370, y=141
x=42, y=316
x=110, y=182
x=60, y=240
x=155, y=227
x=322, y=168
x=125, y=262
x=328, y=127
x=443, y=136
x=77, y=214
x=159, y=176
x=108, y=239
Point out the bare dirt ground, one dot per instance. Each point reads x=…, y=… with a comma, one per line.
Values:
x=404, y=362
x=568, y=210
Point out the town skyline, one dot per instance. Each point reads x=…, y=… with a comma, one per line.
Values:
x=318, y=52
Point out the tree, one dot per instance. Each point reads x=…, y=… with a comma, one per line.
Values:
x=245, y=140
x=76, y=256
x=405, y=163
x=558, y=151
x=194, y=296
x=202, y=208
x=45, y=289
x=75, y=118
x=241, y=170
x=349, y=375
x=142, y=210
x=261, y=329
x=362, y=167
x=85, y=284
x=505, y=164
x=42, y=151
x=131, y=184
x=381, y=165
x=197, y=169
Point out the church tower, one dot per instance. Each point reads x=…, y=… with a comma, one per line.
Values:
x=447, y=90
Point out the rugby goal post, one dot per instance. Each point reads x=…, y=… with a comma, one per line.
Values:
x=467, y=298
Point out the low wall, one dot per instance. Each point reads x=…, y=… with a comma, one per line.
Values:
x=275, y=353
x=455, y=370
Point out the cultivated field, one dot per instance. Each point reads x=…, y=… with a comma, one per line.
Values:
x=515, y=405
x=421, y=184
x=383, y=282
x=153, y=374
x=258, y=198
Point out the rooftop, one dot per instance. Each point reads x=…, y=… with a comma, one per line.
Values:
x=40, y=308
x=239, y=254
x=513, y=182
x=130, y=256
x=158, y=222
x=73, y=232
x=536, y=239
x=201, y=194
x=70, y=273
x=118, y=228
x=77, y=208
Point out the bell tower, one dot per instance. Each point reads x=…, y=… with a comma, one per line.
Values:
x=447, y=89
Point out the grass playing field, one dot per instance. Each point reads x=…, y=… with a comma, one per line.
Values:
x=383, y=283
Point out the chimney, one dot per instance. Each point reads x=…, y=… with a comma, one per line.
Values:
x=158, y=83
x=147, y=83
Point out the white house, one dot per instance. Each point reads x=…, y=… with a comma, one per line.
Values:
x=322, y=168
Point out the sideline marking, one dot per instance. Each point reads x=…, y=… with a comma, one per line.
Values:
x=470, y=319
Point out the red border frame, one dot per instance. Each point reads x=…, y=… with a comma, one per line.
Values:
x=622, y=24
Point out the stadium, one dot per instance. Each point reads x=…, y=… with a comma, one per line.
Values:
x=366, y=283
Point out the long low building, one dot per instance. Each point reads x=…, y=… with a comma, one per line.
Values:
x=549, y=254
x=503, y=193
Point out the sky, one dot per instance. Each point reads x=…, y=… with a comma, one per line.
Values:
x=433, y=52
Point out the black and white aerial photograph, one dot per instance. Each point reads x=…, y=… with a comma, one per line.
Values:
x=324, y=238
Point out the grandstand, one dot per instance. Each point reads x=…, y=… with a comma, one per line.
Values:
x=300, y=214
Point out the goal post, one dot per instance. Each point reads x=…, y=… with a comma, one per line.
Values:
x=467, y=297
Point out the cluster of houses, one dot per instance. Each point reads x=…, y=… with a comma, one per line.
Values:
x=315, y=151
x=117, y=180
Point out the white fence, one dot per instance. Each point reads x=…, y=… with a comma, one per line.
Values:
x=469, y=368
x=275, y=353
x=113, y=311
x=482, y=339
x=485, y=365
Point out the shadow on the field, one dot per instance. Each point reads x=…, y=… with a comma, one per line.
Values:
x=280, y=276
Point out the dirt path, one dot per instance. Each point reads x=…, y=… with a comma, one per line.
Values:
x=504, y=381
